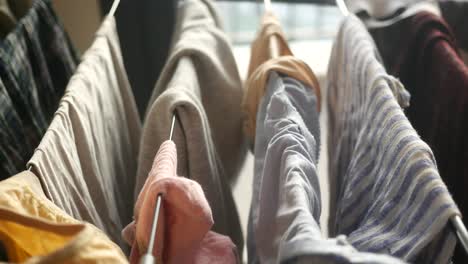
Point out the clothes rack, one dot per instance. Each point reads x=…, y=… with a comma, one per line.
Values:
x=148, y=258
x=456, y=221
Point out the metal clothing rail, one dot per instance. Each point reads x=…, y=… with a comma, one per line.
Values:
x=148, y=258
x=274, y=41
x=456, y=220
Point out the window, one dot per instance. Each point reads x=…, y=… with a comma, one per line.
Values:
x=299, y=21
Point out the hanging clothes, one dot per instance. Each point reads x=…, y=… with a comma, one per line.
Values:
x=429, y=66
x=34, y=230
x=388, y=196
x=256, y=85
x=185, y=220
x=261, y=64
x=36, y=63
x=286, y=219
x=200, y=83
x=87, y=159
x=287, y=144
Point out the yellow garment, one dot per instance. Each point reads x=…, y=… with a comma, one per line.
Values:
x=260, y=66
x=34, y=230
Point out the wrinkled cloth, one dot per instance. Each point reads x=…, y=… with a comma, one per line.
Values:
x=34, y=230
x=201, y=85
x=36, y=63
x=431, y=69
x=260, y=65
x=286, y=204
x=184, y=219
x=387, y=195
x=87, y=159
x=256, y=84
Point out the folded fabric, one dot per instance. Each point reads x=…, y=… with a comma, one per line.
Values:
x=184, y=220
x=201, y=85
x=87, y=159
x=387, y=196
x=431, y=69
x=36, y=63
x=34, y=230
x=256, y=84
x=286, y=203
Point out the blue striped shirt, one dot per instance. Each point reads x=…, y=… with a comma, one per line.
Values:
x=387, y=195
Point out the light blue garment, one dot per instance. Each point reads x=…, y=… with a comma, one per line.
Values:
x=387, y=194
x=286, y=204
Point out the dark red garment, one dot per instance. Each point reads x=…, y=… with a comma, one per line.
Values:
x=437, y=79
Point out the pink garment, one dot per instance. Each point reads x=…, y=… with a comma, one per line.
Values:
x=183, y=234
x=218, y=249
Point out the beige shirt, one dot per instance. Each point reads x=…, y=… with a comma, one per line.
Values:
x=87, y=159
x=34, y=230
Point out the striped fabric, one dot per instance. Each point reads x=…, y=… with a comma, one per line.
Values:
x=387, y=194
x=36, y=62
